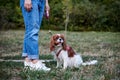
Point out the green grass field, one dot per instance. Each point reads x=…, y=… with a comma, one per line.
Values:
x=103, y=46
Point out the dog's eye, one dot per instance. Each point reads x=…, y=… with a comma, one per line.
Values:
x=55, y=37
x=62, y=37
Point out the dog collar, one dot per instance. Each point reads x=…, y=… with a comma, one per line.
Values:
x=58, y=52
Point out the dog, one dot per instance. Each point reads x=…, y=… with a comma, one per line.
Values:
x=64, y=54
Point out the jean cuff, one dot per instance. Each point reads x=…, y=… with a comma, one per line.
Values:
x=33, y=56
x=24, y=54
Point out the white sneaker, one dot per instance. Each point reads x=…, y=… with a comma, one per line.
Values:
x=27, y=65
x=45, y=68
x=39, y=66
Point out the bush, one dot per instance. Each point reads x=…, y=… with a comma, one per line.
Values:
x=84, y=15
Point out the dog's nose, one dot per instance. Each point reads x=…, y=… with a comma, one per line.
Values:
x=60, y=39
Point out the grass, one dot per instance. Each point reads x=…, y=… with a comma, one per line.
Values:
x=103, y=46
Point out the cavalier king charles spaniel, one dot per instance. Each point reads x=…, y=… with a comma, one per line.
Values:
x=64, y=54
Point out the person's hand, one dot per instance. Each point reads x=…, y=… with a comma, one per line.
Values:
x=47, y=10
x=28, y=5
x=47, y=7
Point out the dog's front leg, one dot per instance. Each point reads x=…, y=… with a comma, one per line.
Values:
x=65, y=64
x=58, y=64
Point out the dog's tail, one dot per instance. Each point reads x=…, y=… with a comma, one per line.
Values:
x=90, y=62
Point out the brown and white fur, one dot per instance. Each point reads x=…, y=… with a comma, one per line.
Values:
x=64, y=54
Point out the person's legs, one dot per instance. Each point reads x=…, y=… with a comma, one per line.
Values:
x=30, y=45
x=31, y=19
x=41, y=4
x=32, y=22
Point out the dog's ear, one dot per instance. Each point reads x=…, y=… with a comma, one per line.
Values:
x=71, y=52
x=64, y=42
x=52, y=43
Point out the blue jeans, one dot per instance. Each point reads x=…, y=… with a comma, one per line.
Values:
x=32, y=21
